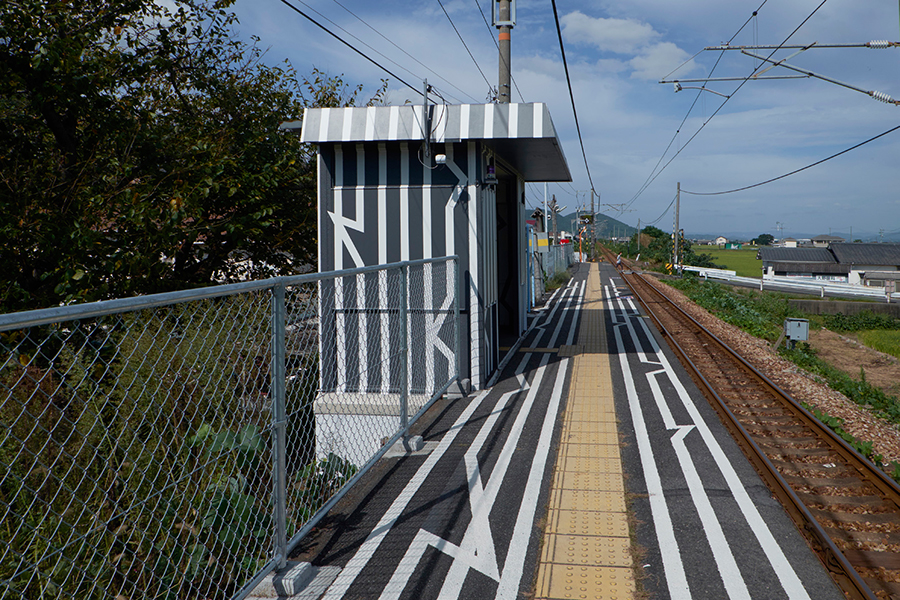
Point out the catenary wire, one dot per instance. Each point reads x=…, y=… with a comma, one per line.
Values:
x=653, y=173
x=390, y=41
x=349, y=45
x=562, y=50
x=459, y=35
x=724, y=102
x=794, y=172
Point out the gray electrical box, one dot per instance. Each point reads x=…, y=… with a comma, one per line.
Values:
x=796, y=329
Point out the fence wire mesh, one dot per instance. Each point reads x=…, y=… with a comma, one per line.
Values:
x=139, y=448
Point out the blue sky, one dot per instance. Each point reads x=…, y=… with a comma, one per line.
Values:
x=617, y=52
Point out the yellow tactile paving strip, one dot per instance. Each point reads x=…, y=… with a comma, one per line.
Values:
x=586, y=547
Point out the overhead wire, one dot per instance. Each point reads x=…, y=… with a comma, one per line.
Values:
x=459, y=35
x=351, y=46
x=491, y=33
x=742, y=83
x=562, y=50
x=794, y=172
x=390, y=41
x=656, y=220
x=653, y=173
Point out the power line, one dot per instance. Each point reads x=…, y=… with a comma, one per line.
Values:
x=459, y=35
x=651, y=178
x=390, y=41
x=349, y=45
x=493, y=39
x=357, y=39
x=818, y=162
x=562, y=49
x=656, y=220
x=743, y=82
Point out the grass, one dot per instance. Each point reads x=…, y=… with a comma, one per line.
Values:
x=883, y=340
x=559, y=279
x=743, y=261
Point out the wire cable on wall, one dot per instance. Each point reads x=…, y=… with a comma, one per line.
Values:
x=349, y=45
x=562, y=49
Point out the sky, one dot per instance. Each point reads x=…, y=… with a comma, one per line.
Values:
x=637, y=133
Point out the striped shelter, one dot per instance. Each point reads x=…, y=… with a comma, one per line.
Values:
x=409, y=182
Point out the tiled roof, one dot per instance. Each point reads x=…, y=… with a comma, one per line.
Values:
x=867, y=254
x=802, y=255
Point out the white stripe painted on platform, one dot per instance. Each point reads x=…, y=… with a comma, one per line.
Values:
x=786, y=574
x=359, y=560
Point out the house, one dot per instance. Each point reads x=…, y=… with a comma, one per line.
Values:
x=823, y=241
x=870, y=264
x=721, y=240
x=867, y=264
x=788, y=243
x=810, y=263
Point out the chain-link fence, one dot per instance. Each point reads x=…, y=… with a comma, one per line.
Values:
x=176, y=445
x=557, y=258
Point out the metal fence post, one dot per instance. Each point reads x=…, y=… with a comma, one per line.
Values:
x=404, y=352
x=279, y=424
x=458, y=329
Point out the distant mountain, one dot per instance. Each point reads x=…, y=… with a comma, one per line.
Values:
x=606, y=226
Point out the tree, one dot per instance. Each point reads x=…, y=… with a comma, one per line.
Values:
x=140, y=151
x=764, y=239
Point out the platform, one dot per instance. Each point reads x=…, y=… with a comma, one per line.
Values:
x=593, y=468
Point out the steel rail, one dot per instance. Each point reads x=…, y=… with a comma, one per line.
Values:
x=842, y=571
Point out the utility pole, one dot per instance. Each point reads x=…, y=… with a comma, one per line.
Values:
x=553, y=211
x=639, y=235
x=675, y=234
x=593, y=226
x=546, y=214
x=504, y=13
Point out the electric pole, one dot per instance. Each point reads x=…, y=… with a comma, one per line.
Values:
x=675, y=234
x=593, y=226
x=504, y=12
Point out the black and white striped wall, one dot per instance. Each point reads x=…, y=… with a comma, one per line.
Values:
x=384, y=199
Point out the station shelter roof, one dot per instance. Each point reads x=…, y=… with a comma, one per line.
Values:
x=523, y=134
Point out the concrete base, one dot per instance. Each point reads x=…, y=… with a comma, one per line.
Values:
x=414, y=445
x=298, y=580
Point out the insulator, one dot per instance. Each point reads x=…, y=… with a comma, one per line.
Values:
x=880, y=44
x=882, y=97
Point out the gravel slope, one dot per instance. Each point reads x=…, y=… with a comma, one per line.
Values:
x=797, y=382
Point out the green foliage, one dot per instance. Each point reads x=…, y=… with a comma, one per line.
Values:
x=559, y=279
x=883, y=340
x=742, y=261
x=140, y=151
x=859, y=391
x=317, y=482
x=860, y=321
x=758, y=313
x=836, y=425
x=147, y=436
x=763, y=239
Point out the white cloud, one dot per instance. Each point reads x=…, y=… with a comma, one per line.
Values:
x=622, y=36
x=657, y=60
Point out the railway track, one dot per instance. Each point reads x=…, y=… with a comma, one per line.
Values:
x=848, y=509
